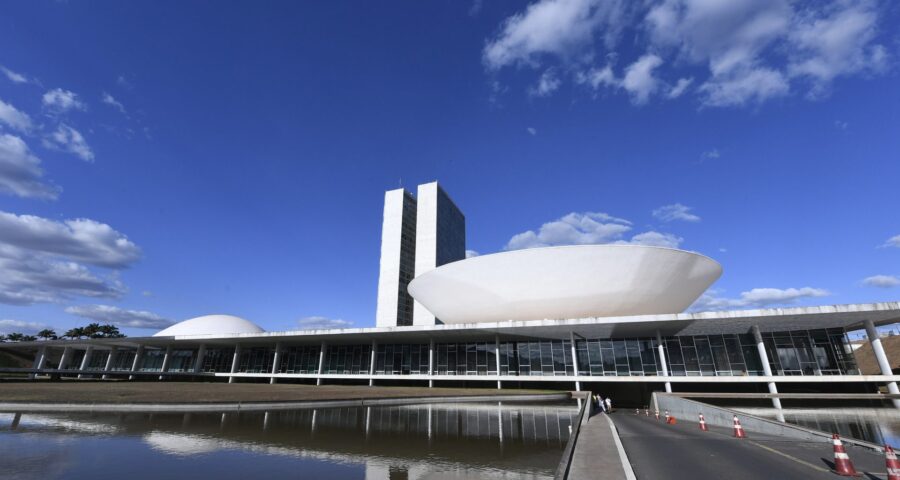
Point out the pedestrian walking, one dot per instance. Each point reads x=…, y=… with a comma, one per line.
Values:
x=608, y=405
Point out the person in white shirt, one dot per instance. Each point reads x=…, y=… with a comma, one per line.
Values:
x=608, y=405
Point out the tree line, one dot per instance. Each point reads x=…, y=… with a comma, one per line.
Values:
x=91, y=330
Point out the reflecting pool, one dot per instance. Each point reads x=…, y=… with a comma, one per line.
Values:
x=876, y=425
x=437, y=441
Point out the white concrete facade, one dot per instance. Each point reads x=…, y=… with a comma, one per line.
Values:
x=397, y=259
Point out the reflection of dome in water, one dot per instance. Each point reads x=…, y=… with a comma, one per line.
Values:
x=211, y=325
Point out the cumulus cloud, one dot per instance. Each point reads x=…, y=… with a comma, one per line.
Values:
x=13, y=76
x=892, y=242
x=654, y=239
x=562, y=28
x=111, y=101
x=27, y=277
x=20, y=171
x=675, y=211
x=572, y=229
x=14, y=118
x=60, y=100
x=8, y=326
x=749, y=51
x=70, y=140
x=119, y=316
x=81, y=239
x=547, y=84
x=471, y=253
x=881, y=281
x=757, y=298
x=711, y=154
x=639, y=80
x=322, y=323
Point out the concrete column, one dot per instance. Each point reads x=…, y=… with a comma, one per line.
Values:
x=431, y=362
x=39, y=357
x=109, y=360
x=662, y=360
x=321, y=363
x=167, y=357
x=137, y=360
x=64, y=359
x=767, y=369
x=372, y=363
x=235, y=362
x=575, y=360
x=86, y=360
x=198, y=363
x=275, y=362
x=497, y=359
x=883, y=362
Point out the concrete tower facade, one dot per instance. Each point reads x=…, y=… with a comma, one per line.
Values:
x=440, y=237
x=418, y=234
x=398, y=257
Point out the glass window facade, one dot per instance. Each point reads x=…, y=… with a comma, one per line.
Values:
x=217, y=360
x=401, y=359
x=300, y=359
x=256, y=360
x=474, y=358
x=347, y=359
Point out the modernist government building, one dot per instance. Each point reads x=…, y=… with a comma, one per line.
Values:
x=609, y=318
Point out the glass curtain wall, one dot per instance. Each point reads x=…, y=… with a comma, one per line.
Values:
x=347, y=359
x=476, y=358
x=303, y=359
x=217, y=360
x=256, y=360
x=401, y=359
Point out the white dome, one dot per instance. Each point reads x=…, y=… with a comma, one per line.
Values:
x=211, y=325
x=565, y=282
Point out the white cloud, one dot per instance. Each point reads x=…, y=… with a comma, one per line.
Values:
x=654, y=239
x=841, y=125
x=13, y=76
x=675, y=211
x=752, y=50
x=836, y=41
x=471, y=253
x=68, y=139
x=8, y=326
x=572, y=229
x=712, y=154
x=639, y=80
x=680, y=87
x=757, y=298
x=60, y=100
x=322, y=323
x=82, y=239
x=531, y=131
x=547, y=84
x=892, y=242
x=881, y=281
x=16, y=119
x=556, y=27
x=27, y=277
x=111, y=101
x=20, y=171
x=118, y=316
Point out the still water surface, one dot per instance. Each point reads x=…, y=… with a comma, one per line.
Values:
x=435, y=442
x=877, y=425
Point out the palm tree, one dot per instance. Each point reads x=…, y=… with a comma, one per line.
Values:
x=92, y=330
x=2, y=338
x=28, y=338
x=15, y=337
x=110, y=331
x=47, y=334
x=74, y=333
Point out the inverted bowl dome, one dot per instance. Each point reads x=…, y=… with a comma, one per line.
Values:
x=565, y=282
x=211, y=325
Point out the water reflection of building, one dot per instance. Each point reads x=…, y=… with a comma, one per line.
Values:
x=417, y=440
x=607, y=317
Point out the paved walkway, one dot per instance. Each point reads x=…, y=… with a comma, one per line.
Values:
x=682, y=451
x=596, y=455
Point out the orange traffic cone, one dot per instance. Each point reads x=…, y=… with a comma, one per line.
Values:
x=657, y=414
x=738, y=429
x=703, y=424
x=893, y=465
x=671, y=420
x=842, y=464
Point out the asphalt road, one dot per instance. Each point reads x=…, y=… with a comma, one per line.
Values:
x=682, y=451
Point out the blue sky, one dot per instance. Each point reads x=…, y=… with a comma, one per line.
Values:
x=164, y=160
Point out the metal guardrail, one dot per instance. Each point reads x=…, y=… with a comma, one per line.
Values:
x=565, y=463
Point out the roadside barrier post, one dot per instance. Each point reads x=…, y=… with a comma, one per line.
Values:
x=738, y=429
